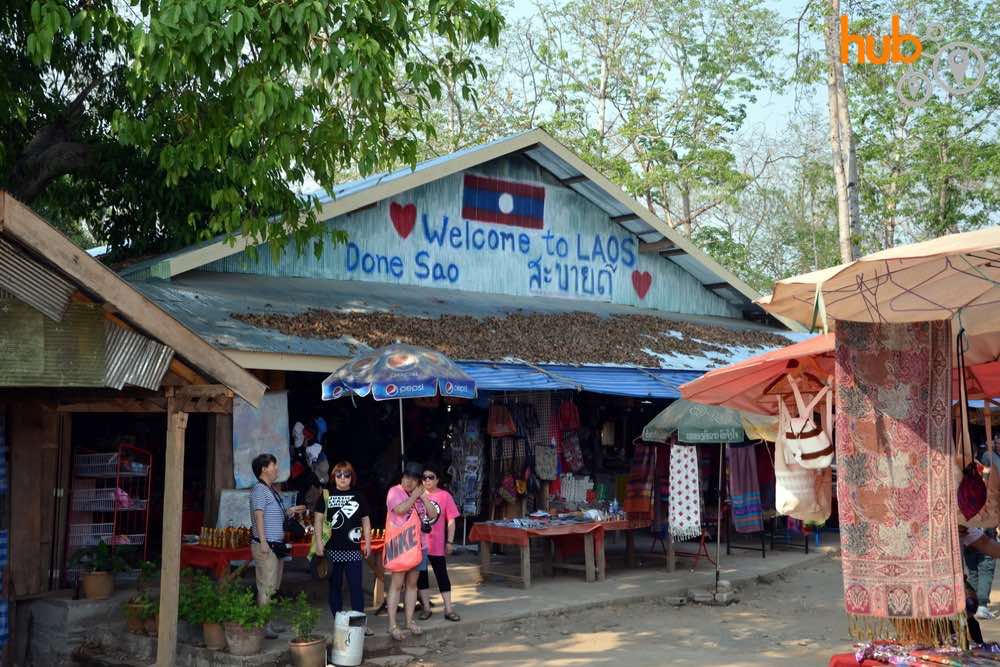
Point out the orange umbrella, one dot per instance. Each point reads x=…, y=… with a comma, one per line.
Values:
x=754, y=384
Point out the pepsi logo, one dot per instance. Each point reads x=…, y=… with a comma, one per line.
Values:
x=391, y=390
x=338, y=392
x=448, y=388
x=401, y=361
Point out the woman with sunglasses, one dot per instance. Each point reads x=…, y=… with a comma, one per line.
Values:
x=345, y=512
x=442, y=541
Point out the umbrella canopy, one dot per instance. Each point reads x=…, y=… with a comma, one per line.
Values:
x=955, y=275
x=752, y=384
x=399, y=371
x=695, y=423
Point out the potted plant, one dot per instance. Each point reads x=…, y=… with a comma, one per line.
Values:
x=200, y=604
x=308, y=649
x=99, y=564
x=137, y=606
x=243, y=620
x=150, y=612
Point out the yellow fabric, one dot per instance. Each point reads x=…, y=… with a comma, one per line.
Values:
x=327, y=532
x=760, y=427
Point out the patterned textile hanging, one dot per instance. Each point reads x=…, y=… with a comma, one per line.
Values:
x=896, y=485
x=744, y=492
x=639, y=497
x=685, y=495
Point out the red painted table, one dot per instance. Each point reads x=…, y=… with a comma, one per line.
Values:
x=594, y=567
x=218, y=560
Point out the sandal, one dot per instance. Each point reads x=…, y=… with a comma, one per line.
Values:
x=424, y=615
x=396, y=633
x=452, y=616
x=414, y=629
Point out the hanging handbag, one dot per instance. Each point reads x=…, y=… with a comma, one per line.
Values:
x=571, y=451
x=800, y=493
x=402, y=551
x=500, y=424
x=809, y=445
x=978, y=504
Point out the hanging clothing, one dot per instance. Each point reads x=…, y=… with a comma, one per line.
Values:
x=685, y=495
x=765, y=475
x=896, y=482
x=744, y=493
x=639, y=497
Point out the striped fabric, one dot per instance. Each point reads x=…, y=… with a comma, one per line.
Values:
x=744, y=490
x=263, y=498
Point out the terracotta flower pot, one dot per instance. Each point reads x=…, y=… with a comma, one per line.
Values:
x=151, y=625
x=308, y=654
x=215, y=636
x=98, y=585
x=133, y=621
x=242, y=641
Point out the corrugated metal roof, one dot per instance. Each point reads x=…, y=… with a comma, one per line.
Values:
x=38, y=352
x=32, y=283
x=203, y=302
x=131, y=358
x=611, y=380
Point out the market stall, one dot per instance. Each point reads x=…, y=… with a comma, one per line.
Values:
x=900, y=319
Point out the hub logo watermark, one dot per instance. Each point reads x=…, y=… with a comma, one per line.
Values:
x=958, y=68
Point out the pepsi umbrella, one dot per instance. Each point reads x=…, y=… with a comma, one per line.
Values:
x=396, y=372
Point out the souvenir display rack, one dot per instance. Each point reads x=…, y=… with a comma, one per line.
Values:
x=109, y=499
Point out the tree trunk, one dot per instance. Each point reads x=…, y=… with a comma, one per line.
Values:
x=686, y=209
x=602, y=108
x=841, y=137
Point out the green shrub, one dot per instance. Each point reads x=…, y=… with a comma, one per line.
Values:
x=303, y=617
x=237, y=604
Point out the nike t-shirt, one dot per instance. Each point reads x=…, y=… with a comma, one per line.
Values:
x=344, y=511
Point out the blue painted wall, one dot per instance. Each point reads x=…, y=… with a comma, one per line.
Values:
x=527, y=235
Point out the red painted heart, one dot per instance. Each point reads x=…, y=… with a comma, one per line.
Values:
x=403, y=218
x=641, y=281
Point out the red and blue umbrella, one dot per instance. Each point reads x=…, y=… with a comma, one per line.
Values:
x=396, y=372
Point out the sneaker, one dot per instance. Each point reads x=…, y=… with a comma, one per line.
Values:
x=984, y=614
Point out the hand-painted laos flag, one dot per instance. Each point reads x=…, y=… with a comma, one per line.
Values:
x=503, y=202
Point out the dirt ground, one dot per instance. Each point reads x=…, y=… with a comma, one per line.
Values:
x=789, y=620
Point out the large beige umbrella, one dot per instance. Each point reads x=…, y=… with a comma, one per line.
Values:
x=955, y=276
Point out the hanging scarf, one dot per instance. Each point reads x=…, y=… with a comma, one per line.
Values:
x=744, y=493
x=639, y=497
x=895, y=485
x=685, y=498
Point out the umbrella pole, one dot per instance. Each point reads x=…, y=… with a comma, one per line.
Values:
x=402, y=447
x=718, y=523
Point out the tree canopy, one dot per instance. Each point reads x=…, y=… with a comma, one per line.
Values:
x=164, y=122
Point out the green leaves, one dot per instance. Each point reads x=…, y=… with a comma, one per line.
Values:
x=214, y=112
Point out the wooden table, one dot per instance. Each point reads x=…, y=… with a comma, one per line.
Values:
x=627, y=526
x=594, y=562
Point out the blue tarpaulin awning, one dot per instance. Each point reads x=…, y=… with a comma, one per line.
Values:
x=613, y=380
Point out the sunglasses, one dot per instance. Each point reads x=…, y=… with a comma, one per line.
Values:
x=342, y=475
x=430, y=477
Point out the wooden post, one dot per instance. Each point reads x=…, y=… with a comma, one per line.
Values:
x=671, y=554
x=988, y=422
x=170, y=573
x=220, y=444
x=588, y=556
x=526, y=565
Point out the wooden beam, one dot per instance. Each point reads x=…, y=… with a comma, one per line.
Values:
x=206, y=404
x=624, y=218
x=184, y=371
x=573, y=179
x=673, y=252
x=21, y=223
x=202, y=391
x=173, y=501
x=114, y=405
x=656, y=247
x=715, y=286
